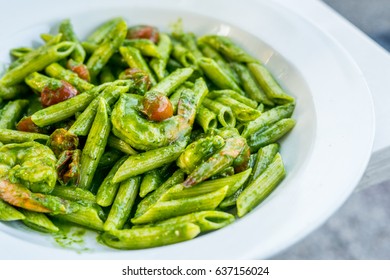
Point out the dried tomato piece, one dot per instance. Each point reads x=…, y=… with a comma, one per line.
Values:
x=51, y=95
x=143, y=32
x=80, y=69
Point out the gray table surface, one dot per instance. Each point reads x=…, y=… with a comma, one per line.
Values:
x=360, y=229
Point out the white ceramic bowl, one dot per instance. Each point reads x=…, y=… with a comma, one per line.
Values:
x=325, y=155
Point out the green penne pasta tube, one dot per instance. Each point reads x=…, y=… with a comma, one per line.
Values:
x=261, y=187
x=189, y=41
x=66, y=109
x=234, y=183
x=123, y=203
x=46, y=57
x=200, y=90
x=142, y=238
x=86, y=216
x=13, y=92
x=159, y=64
x=209, y=52
x=12, y=112
x=183, y=55
x=145, y=46
x=134, y=59
x=66, y=29
x=206, y=118
x=9, y=213
x=217, y=75
x=267, y=118
x=106, y=75
x=19, y=52
x=226, y=47
x=106, y=48
x=102, y=31
x=143, y=162
x=38, y=221
x=38, y=82
x=95, y=145
x=52, y=40
x=234, y=95
x=270, y=135
x=173, y=65
x=150, y=182
x=269, y=84
x=170, y=83
x=224, y=114
x=14, y=136
x=206, y=220
x=160, y=193
x=106, y=193
x=110, y=94
x=55, y=70
x=198, y=151
x=74, y=194
x=250, y=85
x=174, y=98
x=264, y=157
x=109, y=158
x=241, y=111
x=120, y=145
x=167, y=209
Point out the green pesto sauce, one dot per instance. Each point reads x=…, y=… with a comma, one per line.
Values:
x=70, y=237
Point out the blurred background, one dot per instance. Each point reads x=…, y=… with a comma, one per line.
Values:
x=361, y=227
